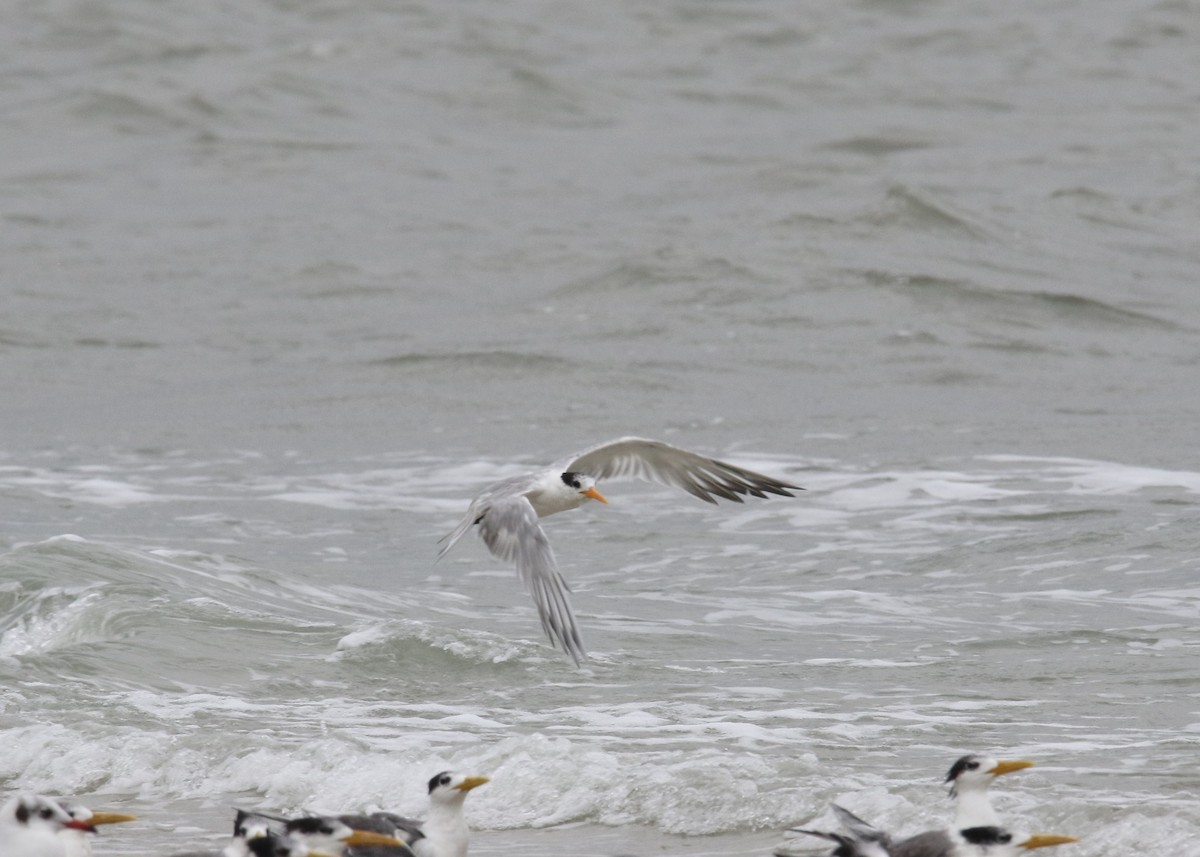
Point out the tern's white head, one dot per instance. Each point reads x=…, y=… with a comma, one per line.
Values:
x=450, y=788
x=976, y=773
x=969, y=779
x=583, y=485
x=445, y=828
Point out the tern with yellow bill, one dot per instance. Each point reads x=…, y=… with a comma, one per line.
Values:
x=443, y=833
x=507, y=512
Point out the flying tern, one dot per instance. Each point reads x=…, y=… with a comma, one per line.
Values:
x=507, y=512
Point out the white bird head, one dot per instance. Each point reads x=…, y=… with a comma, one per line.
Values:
x=35, y=812
x=976, y=773
x=583, y=484
x=449, y=787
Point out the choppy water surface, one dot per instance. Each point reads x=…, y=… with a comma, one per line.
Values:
x=285, y=284
x=749, y=666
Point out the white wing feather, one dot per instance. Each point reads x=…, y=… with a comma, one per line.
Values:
x=510, y=529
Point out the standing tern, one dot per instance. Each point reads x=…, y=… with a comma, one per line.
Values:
x=976, y=827
x=507, y=512
x=443, y=833
x=969, y=778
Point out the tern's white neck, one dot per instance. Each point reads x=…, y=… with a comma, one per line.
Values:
x=236, y=848
x=30, y=842
x=76, y=843
x=973, y=808
x=446, y=831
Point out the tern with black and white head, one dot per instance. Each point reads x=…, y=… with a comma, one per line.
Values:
x=30, y=826
x=969, y=778
x=443, y=833
x=507, y=512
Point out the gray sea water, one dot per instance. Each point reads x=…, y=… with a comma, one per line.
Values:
x=283, y=284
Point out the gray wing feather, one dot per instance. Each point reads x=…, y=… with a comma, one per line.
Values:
x=861, y=839
x=388, y=823
x=857, y=827
x=847, y=846
x=509, y=527
x=932, y=843
x=508, y=488
x=406, y=828
x=655, y=461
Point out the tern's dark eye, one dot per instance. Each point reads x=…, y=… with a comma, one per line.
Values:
x=445, y=781
x=572, y=480
x=972, y=766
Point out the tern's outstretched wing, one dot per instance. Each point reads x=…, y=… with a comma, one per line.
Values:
x=655, y=461
x=509, y=527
